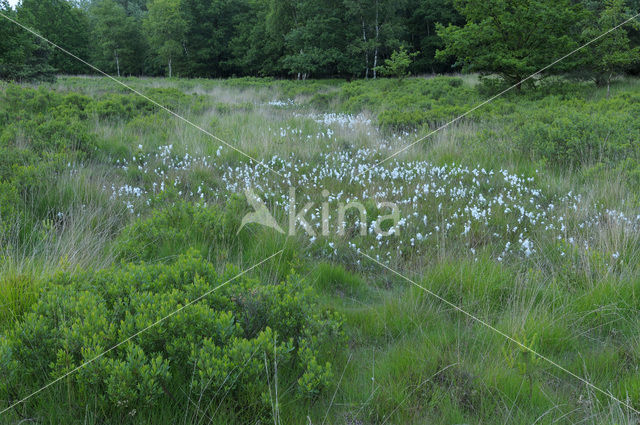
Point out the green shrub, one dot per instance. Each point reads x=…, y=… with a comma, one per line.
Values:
x=217, y=346
x=228, y=108
x=113, y=106
x=322, y=101
x=63, y=128
x=576, y=131
x=120, y=107
x=410, y=104
x=567, y=136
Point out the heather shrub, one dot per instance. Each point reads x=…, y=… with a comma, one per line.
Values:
x=203, y=347
x=409, y=104
x=575, y=134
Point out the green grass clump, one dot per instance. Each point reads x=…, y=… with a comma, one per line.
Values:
x=18, y=291
x=174, y=229
x=336, y=280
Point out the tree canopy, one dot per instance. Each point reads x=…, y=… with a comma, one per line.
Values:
x=23, y=57
x=613, y=54
x=510, y=38
x=318, y=38
x=166, y=28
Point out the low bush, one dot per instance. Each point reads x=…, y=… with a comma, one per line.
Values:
x=229, y=108
x=408, y=104
x=223, y=348
x=112, y=106
x=574, y=133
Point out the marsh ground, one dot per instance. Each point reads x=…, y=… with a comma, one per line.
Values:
x=524, y=214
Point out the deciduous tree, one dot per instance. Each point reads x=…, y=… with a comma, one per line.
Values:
x=398, y=65
x=166, y=28
x=612, y=54
x=512, y=38
x=23, y=57
x=118, y=38
x=62, y=23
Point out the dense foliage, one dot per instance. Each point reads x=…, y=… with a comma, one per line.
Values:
x=198, y=352
x=22, y=56
x=315, y=38
x=512, y=39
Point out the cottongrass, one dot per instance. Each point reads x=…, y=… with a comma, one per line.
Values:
x=475, y=206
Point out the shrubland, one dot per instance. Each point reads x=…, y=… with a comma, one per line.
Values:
x=113, y=215
x=214, y=352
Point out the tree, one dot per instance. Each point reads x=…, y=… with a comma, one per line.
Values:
x=317, y=42
x=166, y=29
x=360, y=16
x=511, y=38
x=135, y=8
x=281, y=19
x=62, y=23
x=373, y=28
x=258, y=40
x=398, y=65
x=421, y=17
x=210, y=27
x=23, y=57
x=342, y=37
x=118, y=38
x=613, y=53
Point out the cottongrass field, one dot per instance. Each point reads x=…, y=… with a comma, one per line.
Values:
x=524, y=214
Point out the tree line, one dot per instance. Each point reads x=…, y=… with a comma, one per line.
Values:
x=317, y=38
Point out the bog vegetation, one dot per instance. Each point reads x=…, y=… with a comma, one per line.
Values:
x=112, y=216
x=116, y=218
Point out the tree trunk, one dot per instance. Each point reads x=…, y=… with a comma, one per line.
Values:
x=375, y=62
x=366, y=49
x=117, y=62
x=609, y=85
x=375, y=54
x=169, y=66
x=514, y=81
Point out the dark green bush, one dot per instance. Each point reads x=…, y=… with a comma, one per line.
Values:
x=409, y=104
x=46, y=121
x=216, y=347
x=572, y=133
x=113, y=106
x=120, y=107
